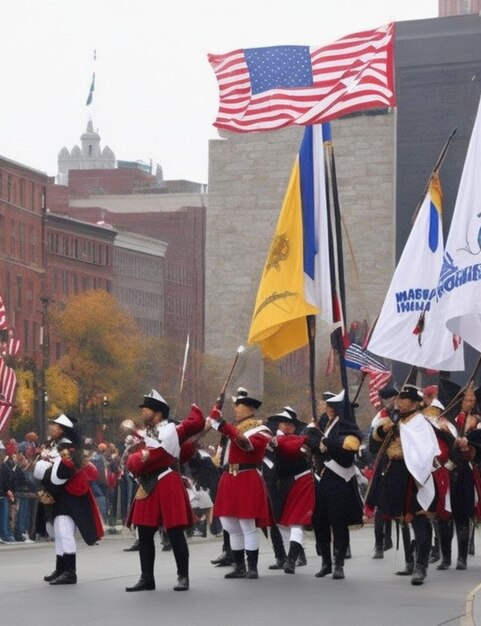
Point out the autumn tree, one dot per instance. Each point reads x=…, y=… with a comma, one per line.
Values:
x=102, y=346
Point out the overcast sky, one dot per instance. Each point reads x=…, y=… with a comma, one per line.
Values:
x=156, y=94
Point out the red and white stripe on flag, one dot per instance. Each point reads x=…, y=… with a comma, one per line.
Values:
x=3, y=315
x=8, y=381
x=378, y=379
x=13, y=347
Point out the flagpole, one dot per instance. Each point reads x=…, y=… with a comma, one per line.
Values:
x=311, y=333
x=435, y=170
x=336, y=264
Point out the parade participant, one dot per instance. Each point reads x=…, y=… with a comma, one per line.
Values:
x=465, y=476
x=161, y=498
x=242, y=501
x=383, y=528
x=405, y=487
x=65, y=475
x=338, y=503
x=296, y=483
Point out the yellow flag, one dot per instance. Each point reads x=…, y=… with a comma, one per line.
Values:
x=279, y=323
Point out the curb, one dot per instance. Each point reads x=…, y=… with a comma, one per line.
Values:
x=468, y=618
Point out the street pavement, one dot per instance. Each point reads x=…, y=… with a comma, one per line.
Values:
x=370, y=595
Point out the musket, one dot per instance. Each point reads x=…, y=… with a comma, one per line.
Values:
x=220, y=400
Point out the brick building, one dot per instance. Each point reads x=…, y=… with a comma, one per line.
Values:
x=458, y=7
x=173, y=212
x=22, y=212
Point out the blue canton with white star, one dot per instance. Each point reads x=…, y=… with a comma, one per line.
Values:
x=279, y=67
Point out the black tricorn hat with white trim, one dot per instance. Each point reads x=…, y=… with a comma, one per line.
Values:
x=337, y=399
x=411, y=392
x=64, y=421
x=155, y=402
x=243, y=397
x=286, y=415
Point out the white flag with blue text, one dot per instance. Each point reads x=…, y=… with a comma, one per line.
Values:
x=459, y=289
x=405, y=331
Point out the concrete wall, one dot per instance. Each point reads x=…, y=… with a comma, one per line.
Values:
x=248, y=176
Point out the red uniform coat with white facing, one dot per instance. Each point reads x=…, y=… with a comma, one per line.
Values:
x=168, y=504
x=244, y=495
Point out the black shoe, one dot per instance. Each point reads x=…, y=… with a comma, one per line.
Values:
x=279, y=564
x=144, y=584
x=434, y=556
x=252, y=574
x=388, y=544
x=301, y=560
x=324, y=571
x=66, y=578
x=378, y=553
x=407, y=571
x=461, y=564
x=182, y=583
x=55, y=574
x=338, y=573
x=348, y=554
x=419, y=574
x=134, y=547
x=289, y=567
x=445, y=564
x=223, y=560
x=238, y=572
x=166, y=548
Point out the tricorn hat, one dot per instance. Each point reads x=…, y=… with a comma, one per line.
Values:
x=64, y=421
x=155, y=402
x=286, y=415
x=411, y=392
x=243, y=397
x=336, y=399
x=388, y=392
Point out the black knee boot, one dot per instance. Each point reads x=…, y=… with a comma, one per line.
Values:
x=326, y=566
x=408, y=552
x=59, y=569
x=181, y=556
x=378, y=537
x=252, y=558
x=290, y=564
x=69, y=576
x=279, y=550
x=423, y=534
x=462, y=533
x=445, y=529
x=239, y=570
x=338, y=572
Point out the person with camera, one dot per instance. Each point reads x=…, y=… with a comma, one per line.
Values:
x=404, y=486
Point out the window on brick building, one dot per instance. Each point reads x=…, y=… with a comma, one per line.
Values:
x=2, y=234
x=54, y=280
x=65, y=281
x=19, y=292
x=10, y=188
x=1, y=184
x=13, y=238
x=21, y=186
x=44, y=197
x=26, y=337
x=6, y=295
x=75, y=248
x=21, y=241
x=35, y=335
x=75, y=283
x=32, y=196
x=32, y=243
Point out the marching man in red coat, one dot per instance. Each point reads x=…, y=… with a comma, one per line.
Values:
x=65, y=475
x=296, y=483
x=161, y=499
x=242, y=502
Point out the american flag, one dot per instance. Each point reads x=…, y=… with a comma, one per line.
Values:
x=273, y=87
x=378, y=379
x=8, y=380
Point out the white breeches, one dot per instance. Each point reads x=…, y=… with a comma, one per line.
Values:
x=64, y=532
x=242, y=533
x=292, y=533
